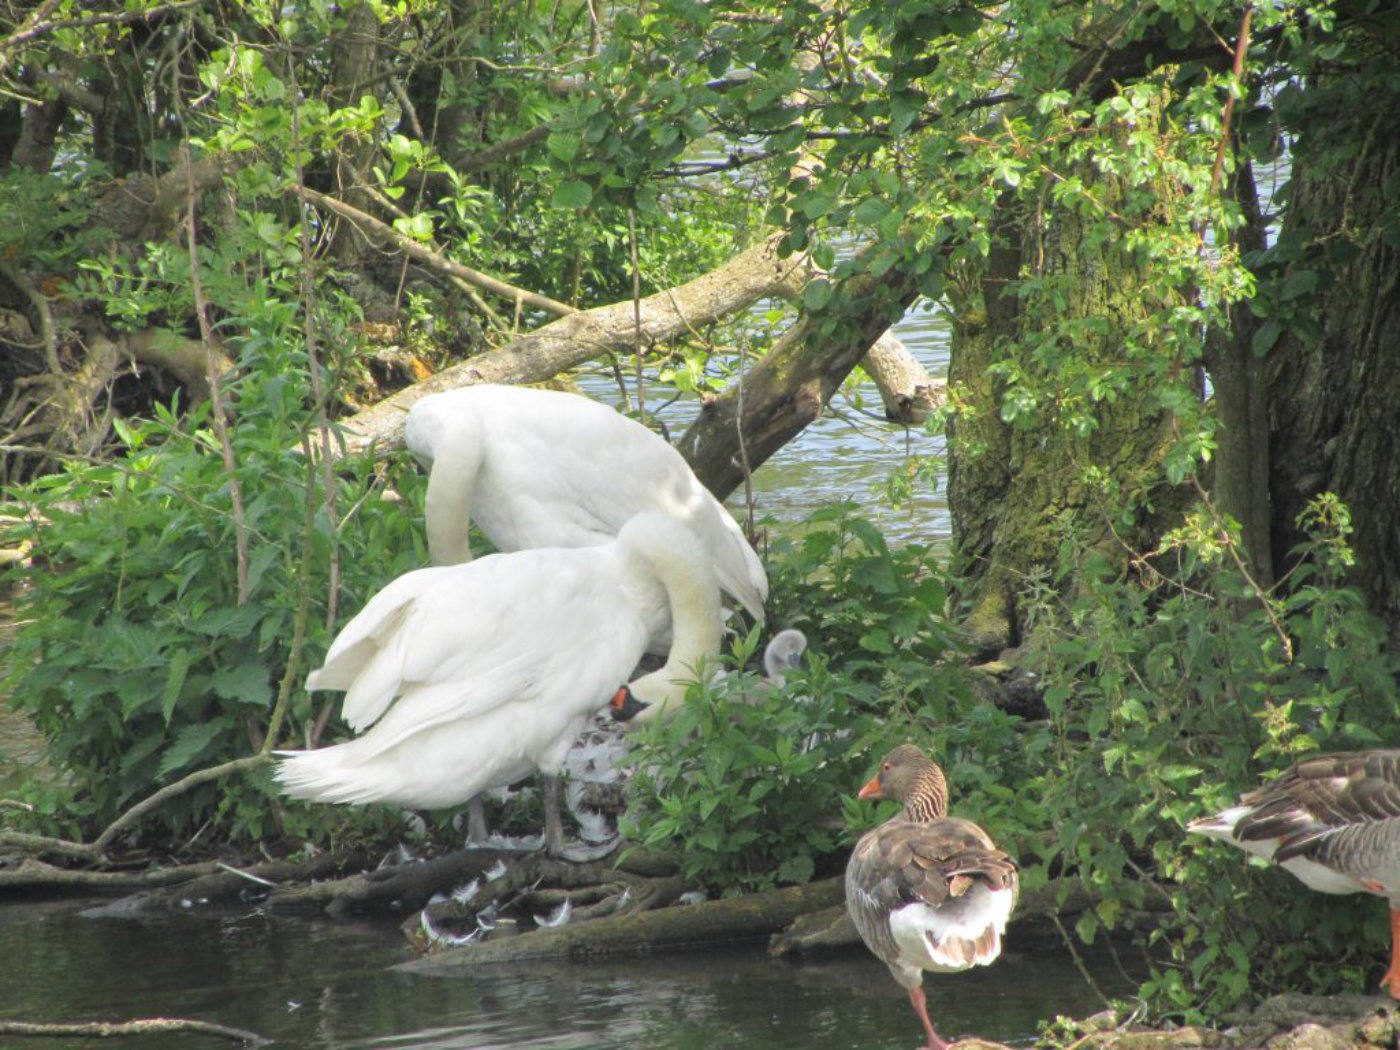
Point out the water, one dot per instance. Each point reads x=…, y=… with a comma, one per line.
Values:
x=322, y=984
x=845, y=454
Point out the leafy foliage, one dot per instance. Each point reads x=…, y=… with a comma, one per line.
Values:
x=754, y=785
x=1167, y=699
x=134, y=655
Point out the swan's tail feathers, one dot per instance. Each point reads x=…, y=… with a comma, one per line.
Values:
x=326, y=775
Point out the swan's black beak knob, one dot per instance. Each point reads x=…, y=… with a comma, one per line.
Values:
x=624, y=706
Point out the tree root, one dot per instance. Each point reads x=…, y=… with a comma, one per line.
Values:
x=171, y=888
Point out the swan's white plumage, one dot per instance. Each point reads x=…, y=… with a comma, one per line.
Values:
x=471, y=676
x=542, y=468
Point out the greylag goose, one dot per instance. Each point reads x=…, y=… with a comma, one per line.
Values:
x=542, y=468
x=927, y=891
x=1333, y=821
x=467, y=677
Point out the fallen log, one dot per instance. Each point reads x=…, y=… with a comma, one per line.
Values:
x=680, y=926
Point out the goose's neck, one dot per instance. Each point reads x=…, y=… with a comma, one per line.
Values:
x=928, y=798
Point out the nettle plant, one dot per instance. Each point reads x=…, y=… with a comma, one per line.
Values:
x=134, y=655
x=1170, y=693
x=753, y=786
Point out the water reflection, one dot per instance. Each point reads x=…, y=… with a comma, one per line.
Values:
x=319, y=984
x=845, y=454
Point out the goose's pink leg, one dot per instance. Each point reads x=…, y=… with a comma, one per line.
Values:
x=1391, y=981
x=917, y=1000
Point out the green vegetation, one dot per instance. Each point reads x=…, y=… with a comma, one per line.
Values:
x=1166, y=431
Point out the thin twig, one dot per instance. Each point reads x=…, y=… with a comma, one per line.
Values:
x=199, y=776
x=35, y=28
x=216, y=401
x=435, y=260
x=1241, y=46
x=1078, y=961
x=637, y=316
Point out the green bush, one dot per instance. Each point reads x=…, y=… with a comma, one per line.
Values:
x=133, y=655
x=1168, y=695
x=754, y=787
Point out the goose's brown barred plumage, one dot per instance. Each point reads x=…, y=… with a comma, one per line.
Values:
x=1334, y=822
x=927, y=891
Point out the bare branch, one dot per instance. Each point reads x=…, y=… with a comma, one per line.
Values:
x=433, y=260
x=753, y=274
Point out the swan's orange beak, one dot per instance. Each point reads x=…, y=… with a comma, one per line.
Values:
x=872, y=789
x=625, y=706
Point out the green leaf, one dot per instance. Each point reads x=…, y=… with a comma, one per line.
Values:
x=572, y=195
x=564, y=144
x=191, y=743
x=816, y=294
x=245, y=682
x=175, y=673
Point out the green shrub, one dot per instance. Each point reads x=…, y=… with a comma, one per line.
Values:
x=754, y=787
x=1168, y=695
x=133, y=655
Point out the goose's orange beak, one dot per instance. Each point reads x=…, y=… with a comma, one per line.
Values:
x=872, y=789
x=619, y=700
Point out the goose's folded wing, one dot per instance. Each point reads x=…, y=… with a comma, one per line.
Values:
x=1320, y=796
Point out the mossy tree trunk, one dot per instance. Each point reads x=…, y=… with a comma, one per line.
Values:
x=1333, y=380
x=1053, y=291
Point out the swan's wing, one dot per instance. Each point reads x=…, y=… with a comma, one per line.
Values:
x=494, y=628
x=374, y=626
x=571, y=471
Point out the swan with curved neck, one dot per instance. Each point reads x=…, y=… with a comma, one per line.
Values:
x=542, y=468
x=466, y=677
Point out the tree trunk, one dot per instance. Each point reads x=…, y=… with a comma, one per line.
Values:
x=1240, y=484
x=1333, y=380
x=1014, y=489
x=788, y=388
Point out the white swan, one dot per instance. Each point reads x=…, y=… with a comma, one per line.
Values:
x=542, y=468
x=468, y=677
x=651, y=697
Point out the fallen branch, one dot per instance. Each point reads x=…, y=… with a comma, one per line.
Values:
x=434, y=260
x=757, y=272
x=142, y=1026
x=735, y=918
x=410, y=885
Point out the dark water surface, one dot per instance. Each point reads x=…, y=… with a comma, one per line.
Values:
x=316, y=983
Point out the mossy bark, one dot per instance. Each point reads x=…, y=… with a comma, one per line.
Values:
x=1016, y=489
x=1333, y=384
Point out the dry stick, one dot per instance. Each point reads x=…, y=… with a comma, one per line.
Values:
x=434, y=260
x=141, y=1026
x=318, y=388
x=1241, y=46
x=318, y=393
x=637, y=316
x=199, y=776
x=216, y=401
